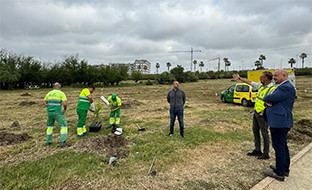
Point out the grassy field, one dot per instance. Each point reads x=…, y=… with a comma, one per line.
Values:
x=211, y=156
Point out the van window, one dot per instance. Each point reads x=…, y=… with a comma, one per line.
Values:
x=254, y=89
x=242, y=88
x=231, y=88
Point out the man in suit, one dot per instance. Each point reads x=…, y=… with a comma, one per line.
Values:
x=279, y=115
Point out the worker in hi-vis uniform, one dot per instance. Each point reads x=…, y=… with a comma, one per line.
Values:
x=114, y=117
x=54, y=100
x=84, y=102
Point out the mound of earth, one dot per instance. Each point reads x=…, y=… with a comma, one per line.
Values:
x=302, y=131
x=27, y=103
x=15, y=124
x=112, y=145
x=11, y=138
x=26, y=94
x=128, y=105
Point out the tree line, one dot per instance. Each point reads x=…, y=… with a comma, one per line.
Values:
x=17, y=71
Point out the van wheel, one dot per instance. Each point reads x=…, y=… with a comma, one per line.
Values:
x=223, y=99
x=245, y=103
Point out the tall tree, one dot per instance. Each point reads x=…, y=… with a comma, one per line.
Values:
x=201, y=65
x=258, y=64
x=303, y=56
x=194, y=62
x=145, y=68
x=226, y=62
x=157, y=67
x=291, y=62
x=168, y=65
x=261, y=58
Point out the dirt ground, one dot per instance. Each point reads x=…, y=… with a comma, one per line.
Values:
x=112, y=145
x=215, y=165
x=11, y=138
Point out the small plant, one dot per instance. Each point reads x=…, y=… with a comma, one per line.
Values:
x=97, y=110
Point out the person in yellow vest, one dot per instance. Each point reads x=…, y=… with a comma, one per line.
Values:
x=115, y=103
x=84, y=102
x=54, y=100
x=265, y=87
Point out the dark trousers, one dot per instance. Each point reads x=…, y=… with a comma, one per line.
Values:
x=279, y=142
x=260, y=125
x=173, y=114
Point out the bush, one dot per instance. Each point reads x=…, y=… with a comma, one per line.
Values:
x=164, y=78
x=191, y=77
x=149, y=82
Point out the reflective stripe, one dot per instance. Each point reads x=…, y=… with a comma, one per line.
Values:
x=50, y=126
x=84, y=101
x=64, y=127
x=49, y=133
x=63, y=133
x=54, y=104
x=54, y=100
x=84, y=97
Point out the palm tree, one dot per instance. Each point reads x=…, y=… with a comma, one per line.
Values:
x=227, y=64
x=258, y=64
x=168, y=65
x=157, y=67
x=194, y=62
x=303, y=56
x=261, y=58
x=201, y=65
x=145, y=68
x=139, y=68
x=291, y=62
x=226, y=60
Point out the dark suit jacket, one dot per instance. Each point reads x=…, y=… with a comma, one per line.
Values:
x=279, y=115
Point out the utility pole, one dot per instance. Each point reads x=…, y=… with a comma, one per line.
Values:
x=192, y=51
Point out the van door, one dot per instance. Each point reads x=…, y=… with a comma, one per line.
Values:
x=241, y=92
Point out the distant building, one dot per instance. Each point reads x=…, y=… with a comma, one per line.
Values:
x=139, y=65
x=142, y=65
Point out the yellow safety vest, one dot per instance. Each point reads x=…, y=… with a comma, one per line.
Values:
x=262, y=92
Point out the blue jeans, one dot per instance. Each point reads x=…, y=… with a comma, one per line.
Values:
x=279, y=142
x=173, y=114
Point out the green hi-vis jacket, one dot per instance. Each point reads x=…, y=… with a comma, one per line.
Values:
x=54, y=99
x=83, y=101
x=114, y=104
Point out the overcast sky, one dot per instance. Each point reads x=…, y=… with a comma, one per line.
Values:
x=103, y=31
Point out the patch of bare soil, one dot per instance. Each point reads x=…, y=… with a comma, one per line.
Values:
x=301, y=132
x=128, y=105
x=15, y=124
x=26, y=94
x=27, y=103
x=11, y=138
x=112, y=145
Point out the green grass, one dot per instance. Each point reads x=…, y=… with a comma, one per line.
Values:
x=43, y=173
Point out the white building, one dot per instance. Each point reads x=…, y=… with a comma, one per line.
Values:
x=139, y=65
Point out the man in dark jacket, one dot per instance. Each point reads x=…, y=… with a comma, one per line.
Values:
x=279, y=115
x=176, y=99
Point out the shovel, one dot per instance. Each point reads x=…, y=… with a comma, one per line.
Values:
x=139, y=128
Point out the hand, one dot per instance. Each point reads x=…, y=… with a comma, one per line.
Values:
x=64, y=111
x=235, y=76
x=90, y=109
x=268, y=104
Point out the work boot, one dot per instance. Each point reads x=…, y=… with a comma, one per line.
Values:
x=48, y=143
x=274, y=168
x=170, y=134
x=63, y=144
x=274, y=175
x=254, y=153
x=264, y=157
